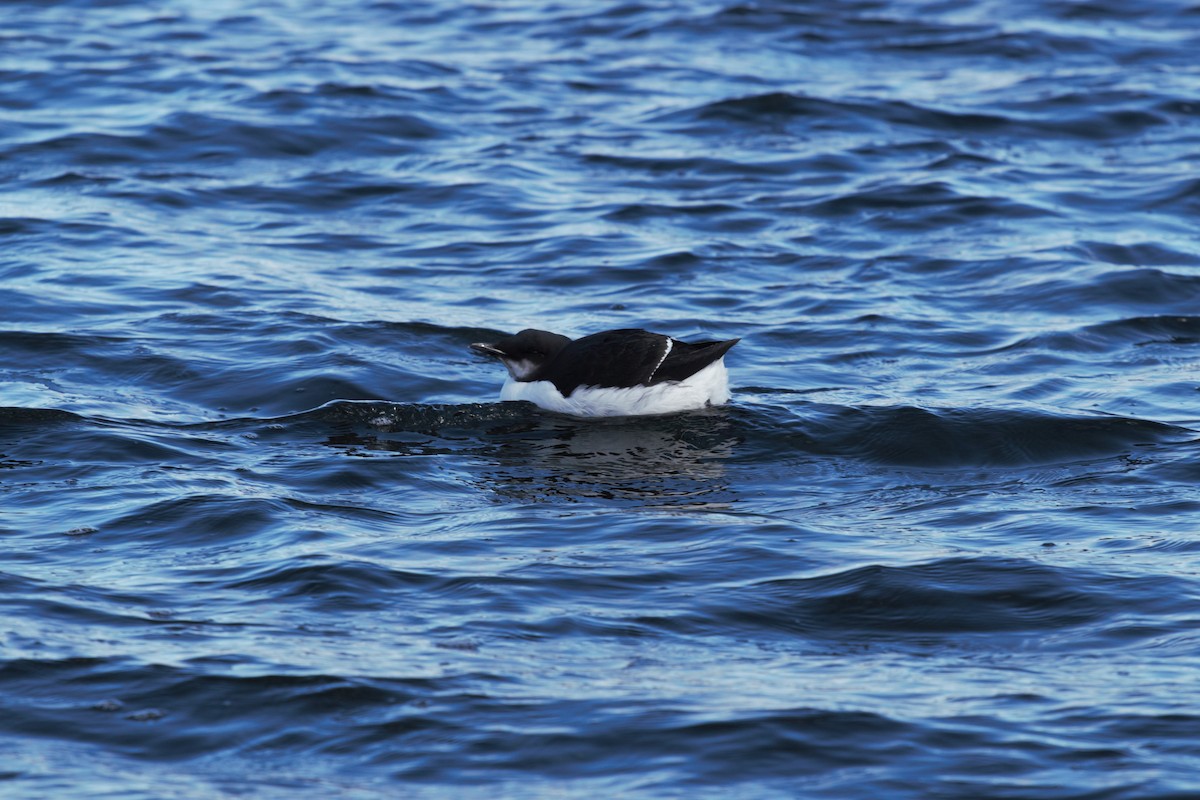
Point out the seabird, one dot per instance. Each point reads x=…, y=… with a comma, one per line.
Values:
x=613, y=373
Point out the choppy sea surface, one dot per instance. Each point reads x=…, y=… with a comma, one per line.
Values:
x=266, y=531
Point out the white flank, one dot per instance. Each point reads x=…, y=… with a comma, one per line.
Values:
x=709, y=386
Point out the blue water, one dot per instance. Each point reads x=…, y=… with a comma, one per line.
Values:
x=267, y=534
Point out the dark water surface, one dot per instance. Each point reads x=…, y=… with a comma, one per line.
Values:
x=266, y=533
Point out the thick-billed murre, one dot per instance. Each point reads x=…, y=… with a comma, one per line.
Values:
x=613, y=373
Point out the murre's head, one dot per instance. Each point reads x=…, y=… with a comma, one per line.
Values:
x=523, y=353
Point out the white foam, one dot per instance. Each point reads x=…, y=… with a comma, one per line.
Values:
x=709, y=386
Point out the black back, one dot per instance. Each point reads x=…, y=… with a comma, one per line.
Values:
x=628, y=357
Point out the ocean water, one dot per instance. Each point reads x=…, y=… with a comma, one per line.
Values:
x=266, y=532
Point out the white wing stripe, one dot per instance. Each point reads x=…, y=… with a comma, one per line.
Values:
x=661, y=360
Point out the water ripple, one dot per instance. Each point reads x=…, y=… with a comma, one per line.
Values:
x=269, y=532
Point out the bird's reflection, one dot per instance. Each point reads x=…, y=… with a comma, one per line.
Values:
x=676, y=461
x=665, y=461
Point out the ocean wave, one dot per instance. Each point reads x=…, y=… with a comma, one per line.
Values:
x=1108, y=337
x=952, y=599
x=22, y=418
x=191, y=138
x=1044, y=117
x=267, y=533
x=677, y=444
x=949, y=438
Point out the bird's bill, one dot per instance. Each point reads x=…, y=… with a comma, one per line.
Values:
x=487, y=349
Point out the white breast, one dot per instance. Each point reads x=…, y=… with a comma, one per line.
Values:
x=709, y=386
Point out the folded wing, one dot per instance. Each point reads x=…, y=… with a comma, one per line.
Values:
x=624, y=358
x=686, y=359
